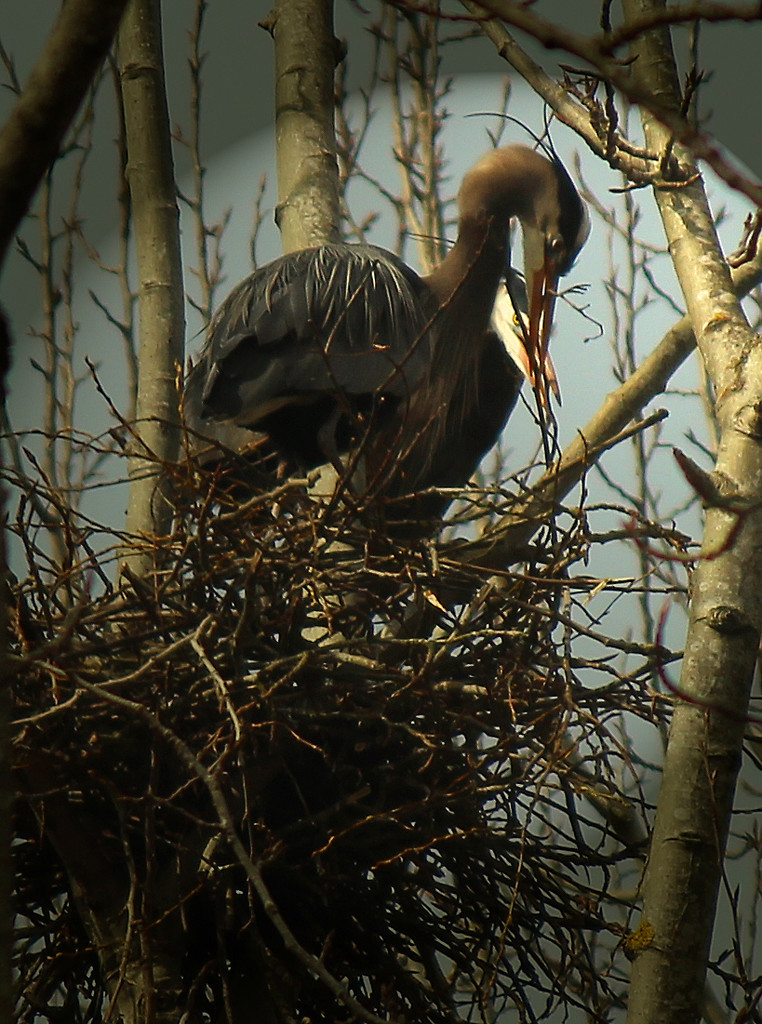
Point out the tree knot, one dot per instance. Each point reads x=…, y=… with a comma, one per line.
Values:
x=726, y=619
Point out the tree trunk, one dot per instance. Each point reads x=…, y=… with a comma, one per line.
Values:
x=306, y=53
x=704, y=749
x=150, y=173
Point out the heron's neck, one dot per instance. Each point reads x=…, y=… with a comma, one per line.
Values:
x=463, y=289
x=465, y=283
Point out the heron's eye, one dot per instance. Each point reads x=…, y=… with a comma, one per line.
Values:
x=516, y=320
x=555, y=246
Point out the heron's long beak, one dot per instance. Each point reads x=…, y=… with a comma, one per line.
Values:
x=541, y=278
x=511, y=324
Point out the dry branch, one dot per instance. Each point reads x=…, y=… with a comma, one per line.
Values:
x=601, y=136
x=372, y=804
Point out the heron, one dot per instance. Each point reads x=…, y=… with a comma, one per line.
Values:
x=344, y=348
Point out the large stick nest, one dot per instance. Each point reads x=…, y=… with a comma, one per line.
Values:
x=395, y=739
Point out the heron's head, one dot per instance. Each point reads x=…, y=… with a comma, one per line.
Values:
x=519, y=182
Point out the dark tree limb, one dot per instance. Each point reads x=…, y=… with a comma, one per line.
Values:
x=31, y=138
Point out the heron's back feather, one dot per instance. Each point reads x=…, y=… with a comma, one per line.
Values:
x=336, y=318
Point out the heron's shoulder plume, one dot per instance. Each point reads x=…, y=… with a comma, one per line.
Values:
x=361, y=293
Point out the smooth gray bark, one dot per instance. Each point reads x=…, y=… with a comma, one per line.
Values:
x=306, y=53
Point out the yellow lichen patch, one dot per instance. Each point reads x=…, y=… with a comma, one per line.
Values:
x=639, y=940
x=716, y=321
